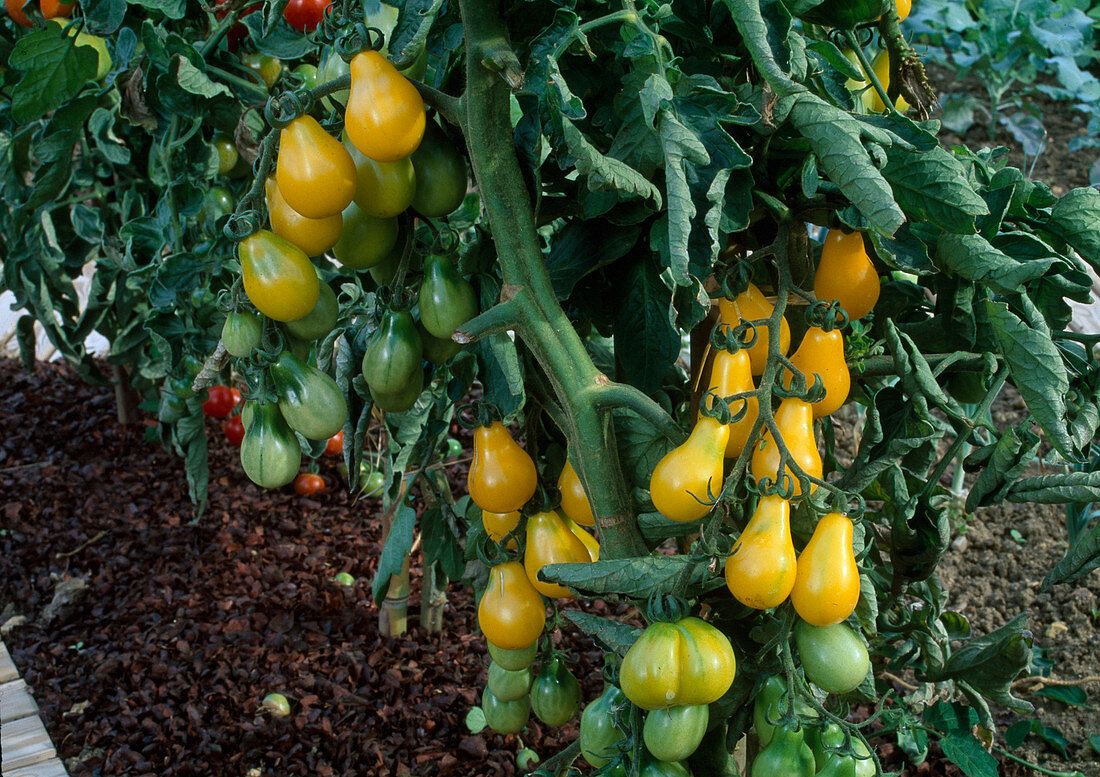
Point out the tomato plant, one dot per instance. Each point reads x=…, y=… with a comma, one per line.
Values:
x=644, y=176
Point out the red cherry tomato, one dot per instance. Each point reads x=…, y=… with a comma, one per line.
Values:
x=219, y=401
x=305, y=15
x=335, y=445
x=308, y=484
x=238, y=31
x=236, y=396
x=234, y=430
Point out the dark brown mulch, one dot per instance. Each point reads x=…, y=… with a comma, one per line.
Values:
x=184, y=629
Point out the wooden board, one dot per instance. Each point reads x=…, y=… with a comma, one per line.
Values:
x=51, y=768
x=24, y=743
x=16, y=702
x=8, y=672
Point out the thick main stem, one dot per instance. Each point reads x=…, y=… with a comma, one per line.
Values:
x=540, y=321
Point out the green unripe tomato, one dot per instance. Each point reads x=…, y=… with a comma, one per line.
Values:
x=344, y=579
x=834, y=658
x=674, y=733
x=556, y=694
x=227, y=154
x=372, y=483
x=507, y=684
x=599, y=734
x=267, y=68
x=217, y=203
x=505, y=717
x=319, y=321
x=242, y=333
x=308, y=74
x=513, y=660
x=276, y=705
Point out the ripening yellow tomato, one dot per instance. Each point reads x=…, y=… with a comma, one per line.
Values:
x=500, y=525
x=821, y=353
x=871, y=100
x=549, y=541
x=795, y=421
x=382, y=189
x=511, y=613
x=752, y=305
x=760, y=571
x=385, y=117
x=316, y=174
x=313, y=236
x=502, y=477
x=674, y=664
x=731, y=373
x=278, y=278
x=904, y=7
x=846, y=274
x=826, y=588
x=685, y=481
x=574, y=502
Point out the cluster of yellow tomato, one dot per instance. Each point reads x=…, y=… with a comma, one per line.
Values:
x=318, y=187
x=762, y=570
x=512, y=614
x=881, y=65
x=344, y=198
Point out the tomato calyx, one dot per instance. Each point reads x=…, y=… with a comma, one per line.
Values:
x=666, y=608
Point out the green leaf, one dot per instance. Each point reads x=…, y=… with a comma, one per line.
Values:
x=916, y=376
x=1017, y=733
x=583, y=246
x=440, y=543
x=636, y=578
x=605, y=173
x=173, y=9
x=1080, y=558
x=608, y=634
x=967, y=753
x=1012, y=454
x=398, y=544
x=1094, y=743
x=682, y=149
x=646, y=341
x=640, y=445
x=54, y=69
x=283, y=42
x=193, y=80
x=103, y=17
x=475, y=720
x=1075, y=218
x=1060, y=488
x=973, y=258
x=989, y=664
x=1072, y=695
x=1037, y=371
x=931, y=185
x=835, y=138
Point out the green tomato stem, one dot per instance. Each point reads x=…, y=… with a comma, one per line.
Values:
x=491, y=68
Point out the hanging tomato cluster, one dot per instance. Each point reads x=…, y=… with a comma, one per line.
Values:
x=351, y=200
x=512, y=614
